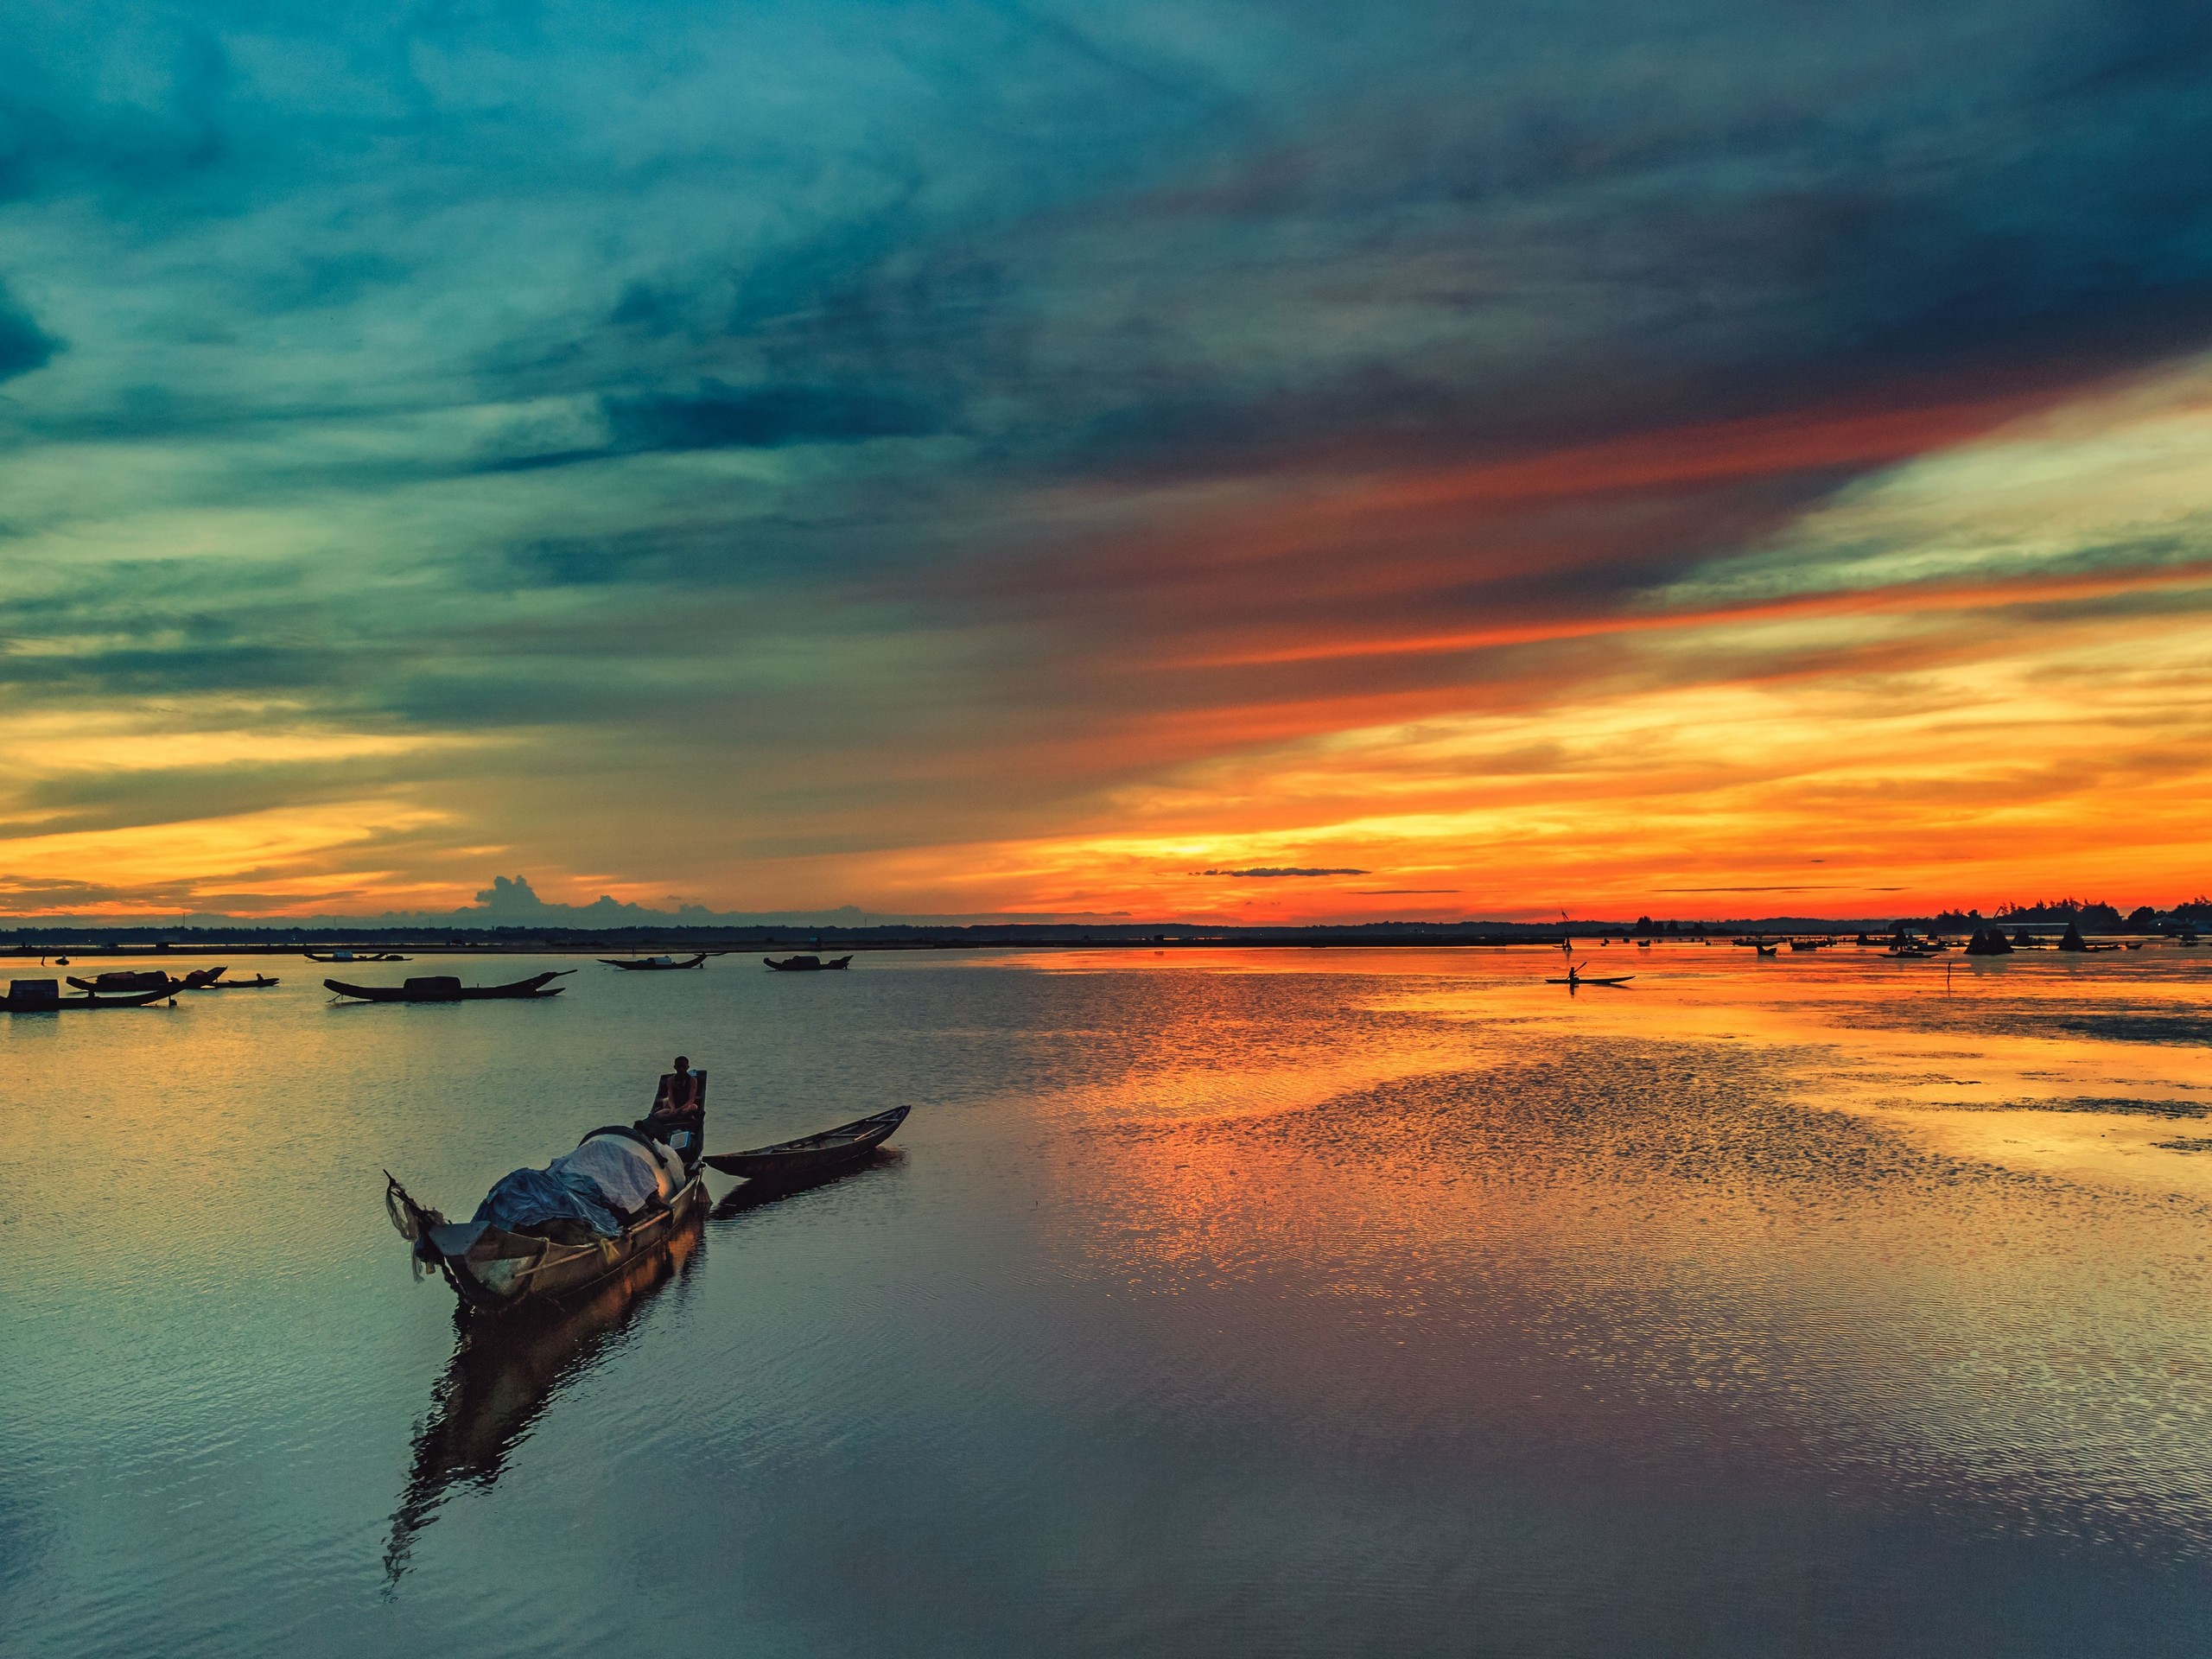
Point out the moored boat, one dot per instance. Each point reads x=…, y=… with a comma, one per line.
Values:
x=121, y=981
x=806, y=964
x=811, y=1155
x=259, y=982
x=44, y=996
x=349, y=956
x=502, y=1268
x=653, y=964
x=445, y=988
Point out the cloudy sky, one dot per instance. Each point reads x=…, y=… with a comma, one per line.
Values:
x=960, y=458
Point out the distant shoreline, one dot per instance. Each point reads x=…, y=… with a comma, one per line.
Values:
x=37, y=940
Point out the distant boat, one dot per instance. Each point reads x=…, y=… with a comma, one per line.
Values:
x=348, y=956
x=121, y=981
x=1576, y=976
x=814, y=1154
x=1768, y=950
x=1804, y=944
x=444, y=987
x=654, y=963
x=44, y=996
x=259, y=982
x=806, y=964
x=2073, y=940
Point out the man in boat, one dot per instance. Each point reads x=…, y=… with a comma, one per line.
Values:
x=679, y=1113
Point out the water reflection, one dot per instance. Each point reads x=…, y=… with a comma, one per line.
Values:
x=1243, y=1303
x=504, y=1373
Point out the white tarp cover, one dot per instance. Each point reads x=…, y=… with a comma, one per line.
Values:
x=629, y=1175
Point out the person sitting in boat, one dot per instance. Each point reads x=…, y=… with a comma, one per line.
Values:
x=679, y=1113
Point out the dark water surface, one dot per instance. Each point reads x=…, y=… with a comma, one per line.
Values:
x=1282, y=1303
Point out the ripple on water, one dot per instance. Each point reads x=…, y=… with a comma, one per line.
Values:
x=1246, y=1304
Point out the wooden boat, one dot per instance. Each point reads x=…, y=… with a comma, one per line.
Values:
x=655, y=963
x=120, y=981
x=259, y=982
x=1591, y=979
x=44, y=996
x=444, y=987
x=502, y=1272
x=806, y=964
x=348, y=956
x=1804, y=944
x=1766, y=950
x=800, y=1160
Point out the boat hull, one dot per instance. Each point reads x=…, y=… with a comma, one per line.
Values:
x=126, y=984
x=817, y=1154
x=138, y=1000
x=506, y=1273
x=541, y=985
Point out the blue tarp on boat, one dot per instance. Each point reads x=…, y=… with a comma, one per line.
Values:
x=526, y=1198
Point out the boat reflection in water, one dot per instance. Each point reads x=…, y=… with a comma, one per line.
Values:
x=505, y=1370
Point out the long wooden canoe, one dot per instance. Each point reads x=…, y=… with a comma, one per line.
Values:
x=654, y=963
x=811, y=1155
x=444, y=987
x=806, y=964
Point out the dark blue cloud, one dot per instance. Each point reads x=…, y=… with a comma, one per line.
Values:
x=23, y=344
x=721, y=416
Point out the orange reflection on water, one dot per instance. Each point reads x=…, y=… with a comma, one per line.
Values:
x=1796, y=1208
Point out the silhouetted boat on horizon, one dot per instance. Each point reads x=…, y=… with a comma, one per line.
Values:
x=44, y=996
x=806, y=964
x=444, y=987
x=126, y=980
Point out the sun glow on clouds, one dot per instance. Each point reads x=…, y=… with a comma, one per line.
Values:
x=1980, y=673
x=1008, y=460
x=2004, y=689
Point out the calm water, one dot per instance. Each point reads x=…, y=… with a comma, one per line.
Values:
x=1282, y=1303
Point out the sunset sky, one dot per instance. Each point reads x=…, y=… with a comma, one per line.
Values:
x=1483, y=459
